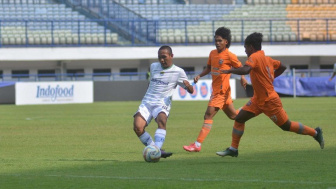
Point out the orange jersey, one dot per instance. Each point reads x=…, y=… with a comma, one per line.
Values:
x=222, y=61
x=262, y=76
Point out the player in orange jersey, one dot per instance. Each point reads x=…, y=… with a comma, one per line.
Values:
x=263, y=70
x=221, y=58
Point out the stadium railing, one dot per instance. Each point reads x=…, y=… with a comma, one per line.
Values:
x=121, y=23
x=134, y=76
x=150, y=33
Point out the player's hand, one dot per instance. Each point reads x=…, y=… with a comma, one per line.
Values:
x=196, y=78
x=243, y=82
x=188, y=87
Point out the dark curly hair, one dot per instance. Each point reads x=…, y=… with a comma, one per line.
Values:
x=225, y=33
x=254, y=39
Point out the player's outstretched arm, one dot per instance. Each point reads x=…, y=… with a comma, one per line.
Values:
x=279, y=71
x=204, y=72
x=188, y=87
x=239, y=71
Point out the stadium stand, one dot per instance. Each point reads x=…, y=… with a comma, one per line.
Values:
x=46, y=23
x=316, y=24
x=151, y=22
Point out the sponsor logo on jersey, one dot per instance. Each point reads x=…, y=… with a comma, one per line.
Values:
x=220, y=61
x=249, y=103
x=159, y=81
x=274, y=118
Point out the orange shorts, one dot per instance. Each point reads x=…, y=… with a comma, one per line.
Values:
x=272, y=108
x=220, y=100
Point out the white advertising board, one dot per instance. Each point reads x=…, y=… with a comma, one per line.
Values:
x=53, y=92
x=202, y=91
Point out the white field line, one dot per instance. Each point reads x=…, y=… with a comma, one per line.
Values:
x=195, y=179
x=184, y=179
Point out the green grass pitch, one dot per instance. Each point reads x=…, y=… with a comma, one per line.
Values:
x=94, y=146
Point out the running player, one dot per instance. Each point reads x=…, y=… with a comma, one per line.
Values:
x=164, y=77
x=263, y=70
x=221, y=58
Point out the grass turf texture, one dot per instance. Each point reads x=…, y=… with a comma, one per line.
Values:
x=94, y=146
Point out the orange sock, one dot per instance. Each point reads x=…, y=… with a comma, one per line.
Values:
x=237, y=133
x=299, y=128
x=205, y=130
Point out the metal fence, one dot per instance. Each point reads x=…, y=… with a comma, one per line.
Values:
x=113, y=23
x=136, y=76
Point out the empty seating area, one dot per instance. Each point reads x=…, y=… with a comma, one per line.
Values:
x=318, y=21
x=27, y=22
x=178, y=11
x=278, y=23
x=232, y=17
x=48, y=24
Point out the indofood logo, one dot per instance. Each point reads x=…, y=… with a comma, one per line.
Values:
x=54, y=93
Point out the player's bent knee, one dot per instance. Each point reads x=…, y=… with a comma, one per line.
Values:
x=285, y=126
x=232, y=117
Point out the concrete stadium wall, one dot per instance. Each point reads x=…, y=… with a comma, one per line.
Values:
x=133, y=90
x=119, y=90
x=117, y=58
x=7, y=95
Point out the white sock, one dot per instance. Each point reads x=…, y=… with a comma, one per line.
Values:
x=198, y=144
x=159, y=137
x=146, y=139
x=233, y=149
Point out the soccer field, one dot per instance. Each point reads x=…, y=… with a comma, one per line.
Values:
x=94, y=146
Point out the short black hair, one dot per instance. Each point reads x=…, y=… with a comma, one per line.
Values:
x=254, y=39
x=225, y=33
x=166, y=47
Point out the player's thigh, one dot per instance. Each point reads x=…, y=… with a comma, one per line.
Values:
x=139, y=121
x=143, y=116
x=210, y=112
x=216, y=102
x=252, y=106
x=275, y=111
x=139, y=124
x=161, y=113
x=230, y=111
x=161, y=120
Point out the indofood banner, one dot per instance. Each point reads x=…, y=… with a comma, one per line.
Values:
x=202, y=91
x=53, y=92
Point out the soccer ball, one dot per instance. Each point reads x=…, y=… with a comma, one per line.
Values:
x=151, y=153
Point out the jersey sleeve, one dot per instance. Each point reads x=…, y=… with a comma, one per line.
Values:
x=151, y=68
x=234, y=60
x=250, y=62
x=182, y=76
x=276, y=63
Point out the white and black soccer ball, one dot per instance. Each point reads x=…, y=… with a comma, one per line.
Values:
x=152, y=153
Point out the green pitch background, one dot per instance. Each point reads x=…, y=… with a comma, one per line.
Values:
x=94, y=146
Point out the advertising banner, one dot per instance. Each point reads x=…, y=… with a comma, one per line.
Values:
x=53, y=92
x=202, y=91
